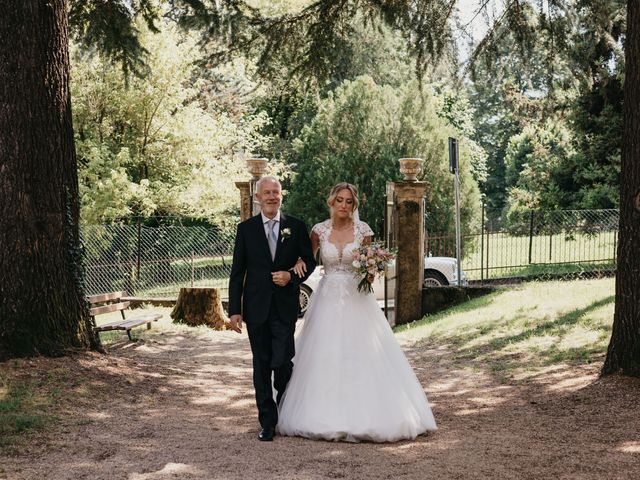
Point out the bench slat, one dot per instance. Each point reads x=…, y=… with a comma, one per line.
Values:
x=148, y=317
x=121, y=325
x=109, y=308
x=99, y=305
x=104, y=297
x=128, y=323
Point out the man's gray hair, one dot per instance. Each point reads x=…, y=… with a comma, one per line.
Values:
x=267, y=178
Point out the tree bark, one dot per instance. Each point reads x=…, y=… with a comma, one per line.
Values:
x=42, y=306
x=624, y=348
x=200, y=306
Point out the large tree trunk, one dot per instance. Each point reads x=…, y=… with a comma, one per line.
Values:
x=42, y=308
x=624, y=348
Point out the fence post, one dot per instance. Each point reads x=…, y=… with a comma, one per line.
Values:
x=191, y=268
x=490, y=229
x=139, y=253
x=530, y=236
x=482, y=246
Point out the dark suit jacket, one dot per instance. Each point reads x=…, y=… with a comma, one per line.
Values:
x=251, y=289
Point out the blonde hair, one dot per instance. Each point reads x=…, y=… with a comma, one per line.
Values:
x=343, y=186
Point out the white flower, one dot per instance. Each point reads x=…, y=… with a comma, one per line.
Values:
x=284, y=234
x=356, y=264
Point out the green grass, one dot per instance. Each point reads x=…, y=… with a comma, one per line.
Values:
x=171, y=290
x=21, y=408
x=550, y=271
x=32, y=393
x=221, y=261
x=525, y=328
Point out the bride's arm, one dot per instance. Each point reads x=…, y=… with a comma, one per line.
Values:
x=315, y=243
x=300, y=267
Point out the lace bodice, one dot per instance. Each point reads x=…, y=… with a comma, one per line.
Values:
x=334, y=258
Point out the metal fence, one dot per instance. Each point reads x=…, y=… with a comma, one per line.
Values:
x=155, y=262
x=536, y=244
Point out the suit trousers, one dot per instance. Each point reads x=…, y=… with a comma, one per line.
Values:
x=273, y=348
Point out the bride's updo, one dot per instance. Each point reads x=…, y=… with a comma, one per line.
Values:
x=343, y=186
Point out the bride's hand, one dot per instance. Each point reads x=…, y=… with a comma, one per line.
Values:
x=300, y=268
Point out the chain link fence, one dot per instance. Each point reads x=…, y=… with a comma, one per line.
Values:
x=155, y=262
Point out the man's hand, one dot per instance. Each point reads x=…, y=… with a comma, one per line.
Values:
x=281, y=278
x=300, y=268
x=236, y=323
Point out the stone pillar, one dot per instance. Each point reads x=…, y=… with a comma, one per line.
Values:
x=246, y=202
x=248, y=205
x=409, y=223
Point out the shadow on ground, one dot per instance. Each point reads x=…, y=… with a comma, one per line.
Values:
x=180, y=406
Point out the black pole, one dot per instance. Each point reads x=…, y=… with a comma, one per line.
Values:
x=530, y=236
x=482, y=247
x=488, y=237
x=139, y=251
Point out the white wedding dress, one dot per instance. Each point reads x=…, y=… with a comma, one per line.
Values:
x=351, y=380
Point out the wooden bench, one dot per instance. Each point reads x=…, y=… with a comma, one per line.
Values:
x=110, y=302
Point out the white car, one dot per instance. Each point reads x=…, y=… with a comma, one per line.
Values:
x=438, y=271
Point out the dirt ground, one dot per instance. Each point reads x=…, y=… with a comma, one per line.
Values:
x=180, y=405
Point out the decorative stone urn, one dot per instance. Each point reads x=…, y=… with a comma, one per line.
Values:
x=410, y=168
x=257, y=167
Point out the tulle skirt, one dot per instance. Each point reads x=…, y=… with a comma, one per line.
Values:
x=351, y=381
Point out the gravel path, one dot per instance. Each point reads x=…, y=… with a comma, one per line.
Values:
x=180, y=406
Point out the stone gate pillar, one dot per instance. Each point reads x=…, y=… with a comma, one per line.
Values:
x=245, y=200
x=248, y=205
x=409, y=223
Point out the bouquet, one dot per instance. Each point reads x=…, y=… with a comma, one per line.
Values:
x=370, y=260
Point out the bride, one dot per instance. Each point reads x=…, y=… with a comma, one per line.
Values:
x=351, y=381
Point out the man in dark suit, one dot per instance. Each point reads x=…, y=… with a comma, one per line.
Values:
x=263, y=292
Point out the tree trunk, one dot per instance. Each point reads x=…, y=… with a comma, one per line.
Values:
x=200, y=306
x=42, y=306
x=624, y=349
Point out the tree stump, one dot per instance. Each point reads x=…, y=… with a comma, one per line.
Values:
x=200, y=306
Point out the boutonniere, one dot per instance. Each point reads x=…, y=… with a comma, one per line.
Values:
x=284, y=234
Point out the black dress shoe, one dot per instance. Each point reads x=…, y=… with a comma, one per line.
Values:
x=266, y=434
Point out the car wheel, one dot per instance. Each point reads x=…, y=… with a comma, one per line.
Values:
x=303, y=300
x=433, y=278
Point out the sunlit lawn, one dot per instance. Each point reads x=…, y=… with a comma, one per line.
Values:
x=525, y=327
